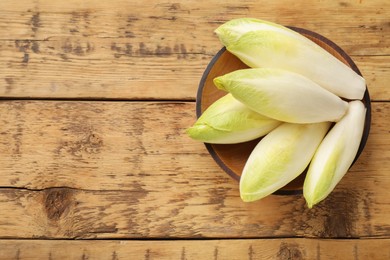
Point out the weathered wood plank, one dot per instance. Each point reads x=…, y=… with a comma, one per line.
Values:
x=118, y=69
x=209, y=210
x=192, y=22
x=132, y=172
x=252, y=249
x=45, y=144
x=110, y=144
x=99, y=69
x=129, y=51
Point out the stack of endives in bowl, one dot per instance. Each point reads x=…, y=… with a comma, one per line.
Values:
x=292, y=93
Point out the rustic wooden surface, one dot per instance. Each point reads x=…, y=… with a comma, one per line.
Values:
x=235, y=249
x=94, y=100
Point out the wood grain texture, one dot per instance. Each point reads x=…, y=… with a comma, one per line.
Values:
x=129, y=50
x=127, y=170
x=194, y=20
x=251, y=249
x=375, y=70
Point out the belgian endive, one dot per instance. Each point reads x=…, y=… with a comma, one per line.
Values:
x=228, y=121
x=279, y=158
x=232, y=30
x=282, y=95
x=263, y=44
x=335, y=155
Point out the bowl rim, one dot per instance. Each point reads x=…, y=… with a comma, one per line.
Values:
x=334, y=46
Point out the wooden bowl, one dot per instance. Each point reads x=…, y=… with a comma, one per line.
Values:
x=232, y=157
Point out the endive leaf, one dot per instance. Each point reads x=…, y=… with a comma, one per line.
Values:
x=335, y=155
x=279, y=158
x=278, y=47
x=282, y=95
x=228, y=121
x=232, y=30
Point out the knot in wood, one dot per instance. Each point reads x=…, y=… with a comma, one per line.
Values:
x=289, y=251
x=57, y=201
x=94, y=140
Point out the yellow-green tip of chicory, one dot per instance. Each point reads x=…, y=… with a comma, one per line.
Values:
x=229, y=121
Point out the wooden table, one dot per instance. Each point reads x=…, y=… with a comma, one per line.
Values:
x=94, y=161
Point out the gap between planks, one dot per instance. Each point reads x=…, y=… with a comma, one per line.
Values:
x=70, y=99
x=95, y=99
